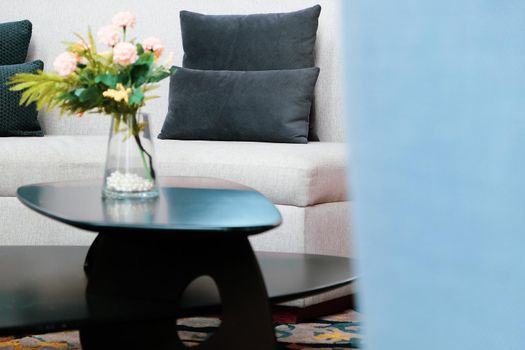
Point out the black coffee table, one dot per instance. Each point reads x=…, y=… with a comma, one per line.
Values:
x=135, y=273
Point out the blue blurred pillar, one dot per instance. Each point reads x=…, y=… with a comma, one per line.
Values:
x=436, y=111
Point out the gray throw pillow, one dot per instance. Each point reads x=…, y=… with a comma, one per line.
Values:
x=14, y=41
x=267, y=106
x=16, y=120
x=249, y=42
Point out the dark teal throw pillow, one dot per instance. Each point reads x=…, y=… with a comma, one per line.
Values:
x=266, y=106
x=250, y=42
x=16, y=120
x=14, y=41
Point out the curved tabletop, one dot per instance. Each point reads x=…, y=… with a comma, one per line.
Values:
x=46, y=292
x=185, y=204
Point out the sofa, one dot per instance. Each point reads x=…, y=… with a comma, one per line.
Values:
x=305, y=181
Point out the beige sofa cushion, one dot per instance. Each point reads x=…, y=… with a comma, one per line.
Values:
x=288, y=174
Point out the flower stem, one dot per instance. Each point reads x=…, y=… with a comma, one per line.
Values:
x=150, y=172
x=135, y=131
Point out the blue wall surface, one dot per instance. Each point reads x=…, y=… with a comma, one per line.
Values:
x=436, y=117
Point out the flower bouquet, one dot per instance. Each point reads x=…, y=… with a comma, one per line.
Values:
x=113, y=82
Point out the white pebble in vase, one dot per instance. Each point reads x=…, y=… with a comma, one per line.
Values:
x=128, y=182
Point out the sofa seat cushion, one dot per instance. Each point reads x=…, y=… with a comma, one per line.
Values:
x=288, y=174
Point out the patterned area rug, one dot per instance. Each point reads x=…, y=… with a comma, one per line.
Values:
x=342, y=331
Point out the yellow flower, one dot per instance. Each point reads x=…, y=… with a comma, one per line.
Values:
x=120, y=94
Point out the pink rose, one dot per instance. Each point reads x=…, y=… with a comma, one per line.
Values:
x=153, y=44
x=124, y=19
x=125, y=53
x=65, y=63
x=109, y=35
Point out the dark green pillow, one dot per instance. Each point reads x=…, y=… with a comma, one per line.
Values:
x=16, y=120
x=266, y=106
x=14, y=41
x=249, y=42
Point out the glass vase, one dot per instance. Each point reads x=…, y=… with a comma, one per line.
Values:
x=130, y=160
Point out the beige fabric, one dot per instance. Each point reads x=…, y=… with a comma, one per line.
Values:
x=26, y=160
x=320, y=229
x=327, y=229
x=23, y=226
x=289, y=174
x=56, y=20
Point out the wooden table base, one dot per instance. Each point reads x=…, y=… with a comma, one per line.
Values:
x=160, y=268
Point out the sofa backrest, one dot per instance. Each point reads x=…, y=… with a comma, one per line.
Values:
x=54, y=21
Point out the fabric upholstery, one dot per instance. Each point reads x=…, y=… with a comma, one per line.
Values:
x=249, y=42
x=24, y=223
x=293, y=174
x=318, y=229
x=267, y=106
x=26, y=227
x=14, y=41
x=17, y=120
x=46, y=44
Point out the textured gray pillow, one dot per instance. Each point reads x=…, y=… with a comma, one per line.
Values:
x=267, y=106
x=16, y=120
x=250, y=42
x=14, y=41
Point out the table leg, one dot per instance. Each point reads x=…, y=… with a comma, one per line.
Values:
x=160, y=269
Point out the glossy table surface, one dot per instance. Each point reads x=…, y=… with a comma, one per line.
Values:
x=186, y=205
x=42, y=289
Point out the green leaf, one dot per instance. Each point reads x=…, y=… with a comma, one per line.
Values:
x=91, y=95
x=150, y=87
x=146, y=57
x=139, y=74
x=79, y=91
x=109, y=80
x=79, y=38
x=22, y=86
x=123, y=78
x=68, y=96
x=93, y=46
x=136, y=98
x=158, y=75
x=140, y=49
x=149, y=98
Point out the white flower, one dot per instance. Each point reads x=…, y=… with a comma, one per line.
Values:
x=124, y=19
x=125, y=53
x=65, y=63
x=154, y=45
x=109, y=35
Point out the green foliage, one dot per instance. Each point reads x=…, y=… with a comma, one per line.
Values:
x=96, y=73
x=137, y=98
x=110, y=80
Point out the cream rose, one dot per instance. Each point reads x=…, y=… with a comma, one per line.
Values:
x=109, y=35
x=153, y=44
x=125, y=53
x=124, y=19
x=65, y=63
